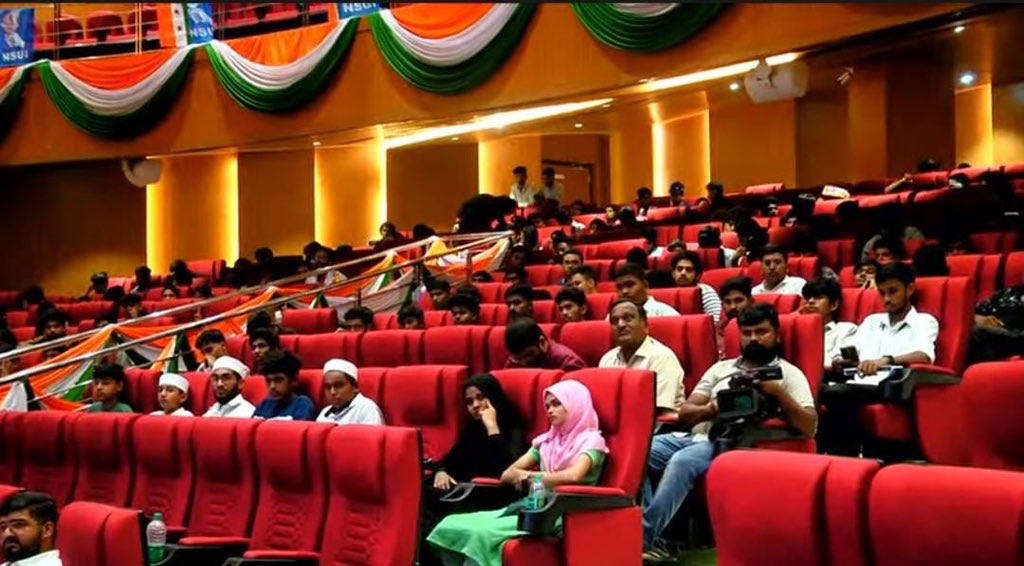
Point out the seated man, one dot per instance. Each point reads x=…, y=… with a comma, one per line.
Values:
x=864, y=273
x=410, y=317
x=736, y=297
x=281, y=370
x=346, y=405
x=263, y=342
x=107, y=384
x=584, y=279
x=227, y=379
x=98, y=284
x=998, y=326
x=212, y=344
x=28, y=525
x=357, y=319
x=465, y=310
x=683, y=457
x=631, y=283
x=887, y=249
x=53, y=324
x=686, y=270
x=171, y=394
x=572, y=305
x=636, y=349
x=572, y=260
x=528, y=347
x=777, y=279
x=823, y=297
x=132, y=304
x=901, y=336
x=516, y=276
x=519, y=299
x=440, y=291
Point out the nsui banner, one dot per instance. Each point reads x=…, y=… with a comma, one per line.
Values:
x=199, y=16
x=184, y=23
x=17, y=43
x=353, y=9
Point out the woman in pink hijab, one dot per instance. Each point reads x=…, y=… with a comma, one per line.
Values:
x=571, y=452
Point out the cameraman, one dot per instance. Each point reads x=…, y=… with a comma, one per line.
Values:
x=685, y=456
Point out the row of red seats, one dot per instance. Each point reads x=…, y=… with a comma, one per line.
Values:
x=843, y=511
x=352, y=489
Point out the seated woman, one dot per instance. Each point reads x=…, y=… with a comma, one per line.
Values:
x=571, y=452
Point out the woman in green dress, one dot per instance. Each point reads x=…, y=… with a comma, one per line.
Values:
x=572, y=451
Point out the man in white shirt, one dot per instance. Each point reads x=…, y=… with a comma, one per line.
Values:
x=522, y=190
x=28, y=527
x=631, y=283
x=777, y=279
x=684, y=457
x=172, y=392
x=823, y=297
x=635, y=349
x=227, y=379
x=346, y=404
x=550, y=188
x=686, y=271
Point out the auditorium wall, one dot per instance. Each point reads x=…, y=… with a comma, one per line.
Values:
x=1008, y=122
x=427, y=183
x=497, y=157
x=275, y=200
x=753, y=143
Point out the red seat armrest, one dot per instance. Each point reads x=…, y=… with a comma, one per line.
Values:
x=487, y=481
x=282, y=555
x=932, y=368
x=590, y=490
x=214, y=541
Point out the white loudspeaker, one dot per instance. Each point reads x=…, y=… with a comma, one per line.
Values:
x=769, y=84
x=141, y=172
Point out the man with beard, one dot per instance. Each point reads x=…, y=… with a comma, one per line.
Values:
x=228, y=378
x=28, y=528
x=683, y=457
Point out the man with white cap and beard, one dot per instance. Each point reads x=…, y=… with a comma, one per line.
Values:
x=228, y=378
x=171, y=394
x=347, y=404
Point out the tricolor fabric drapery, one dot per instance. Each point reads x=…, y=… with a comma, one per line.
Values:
x=12, y=84
x=644, y=26
x=449, y=48
x=117, y=97
x=282, y=71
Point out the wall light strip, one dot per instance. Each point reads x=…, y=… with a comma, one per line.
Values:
x=714, y=74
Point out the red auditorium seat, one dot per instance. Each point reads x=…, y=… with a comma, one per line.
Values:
x=803, y=344
x=148, y=21
x=428, y=398
x=982, y=269
x=200, y=392
x=66, y=30
x=492, y=292
x=544, y=233
x=373, y=499
x=767, y=188
x=663, y=214
x=785, y=304
x=590, y=339
x=588, y=251
x=6, y=492
x=878, y=200
x=1013, y=271
x=94, y=534
x=310, y=321
x=164, y=470
x=956, y=516
x=664, y=235
x=800, y=266
x=1014, y=170
x=624, y=401
x=21, y=318
x=825, y=207
x=213, y=269
x=87, y=311
x=8, y=299
x=691, y=231
x=818, y=504
x=315, y=349
x=457, y=345
x=784, y=236
x=692, y=338
x=238, y=348
x=385, y=321
x=541, y=275
x=599, y=304
x=391, y=348
x=105, y=25
x=48, y=461
x=991, y=394
x=281, y=11
x=103, y=450
x=602, y=268
x=493, y=314
x=686, y=300
x=140, y=389
x=11, y=431
x=837, y=254
x=606, y=287
x=717, y=277
x=994, y=242
x=929, y=180
x=523, y=388
x=617, y=249
x=434, y=319
x=543, y=312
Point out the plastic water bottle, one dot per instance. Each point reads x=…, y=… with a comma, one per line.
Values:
x=538, y=494
x=156, y=538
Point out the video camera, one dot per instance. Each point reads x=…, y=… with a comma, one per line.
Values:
x=742, y=400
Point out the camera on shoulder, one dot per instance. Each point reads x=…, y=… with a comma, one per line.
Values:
x=743, y=401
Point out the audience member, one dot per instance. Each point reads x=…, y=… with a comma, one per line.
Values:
x=687, y=270
x=281, y=370
x=169, y=293
x=643, y=202
x=528, y=347
x=470, y=290
x=682, y=458
x=263, y=255
x=549, y=187
x=143, y=280
x=107, y=384
x=9, y=365
x=263, y=342
x=519, y=300
x=465, y=310
x=357, y=319
x=631, y=283
x=227, y=380
x=572, y=305
x=775, y=268
x=28, y=524
x=522, y=190
x=180, y=274
x=346, y=404
x=930, y=261
x=483, y=277
x=584, y=279
x=717, y=201
x=637, y=256
x=32, y=296
x=440, y=292
x=212, y=344
x=864, y=273
x=172, y=392
x=736, y=297
x=410, y=317
x=998, y=331
x=132, y=305
x=571, y=261
x=97, y=287
x=389, y=232
x=675, y=194
x=6, y=334
x=516, y=276
x=52, y=325
x=636, y=349
x=823, y=297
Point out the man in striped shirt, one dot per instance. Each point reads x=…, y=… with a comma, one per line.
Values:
x=686, y=270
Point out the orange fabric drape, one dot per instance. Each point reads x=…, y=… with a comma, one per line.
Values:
x=437, y=21
x=117, y=72
x=282, y=47
x=5, y=75
x=43, y=381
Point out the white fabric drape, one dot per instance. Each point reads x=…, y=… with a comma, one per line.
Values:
x=450, y=51
x=648, y=9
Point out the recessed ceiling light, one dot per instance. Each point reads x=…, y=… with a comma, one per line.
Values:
x=578, y=125
x=967, y=78
x=455, y=138
x=316, y=144
x=959, y=29
x=734, y=86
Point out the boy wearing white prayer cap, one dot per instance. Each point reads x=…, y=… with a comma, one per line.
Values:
x=227, y=379
x=346, y=404
x=171, y=394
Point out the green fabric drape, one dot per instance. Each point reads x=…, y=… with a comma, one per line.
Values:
x=632, y=32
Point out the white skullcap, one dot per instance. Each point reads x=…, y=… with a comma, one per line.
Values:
x=174, y=380
x=344, y=366
x=233, y=364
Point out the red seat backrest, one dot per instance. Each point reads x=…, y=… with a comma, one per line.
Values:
x=524, y=388
x=385, y=321
x=390, y=348
x=209, y=268
x=103, y=450
x=238, y=348
x=540, y=275
x=100, y=535
x=717, y=277
x=545, y=312
x=310, y=321
x=492, y=292
x=624, y=401
x=803, y=344
x=617, y=249
x=877, y=200
x=373, y=499
x=599, y=304
x=991, y=392
x=315, y=349
x=48, y=460
x=292, y=467
x=434, y=319
x=429, y=398
x=225, y=477
x=988, y=506
x=11, y=431
x=140, y=389
x=764, y=189
x=311, y=384
x=200, y=392
x=590, y=339
x=602, y=268
x=588, y=251
x=982, y=269
x=994, y=242
x=663, y=214
x=1013, y=271
x=665, y=234
x=847, y=279
x=20, y=318
x=78, y=312
x=493, y=314
x=691, y=231
x=692, y=338
x=785, y=304
x=164, y=472
x=457, y=345
x=929, y=180
x=837, y=254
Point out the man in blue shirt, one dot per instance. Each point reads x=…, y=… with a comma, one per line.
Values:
x=281, y=370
